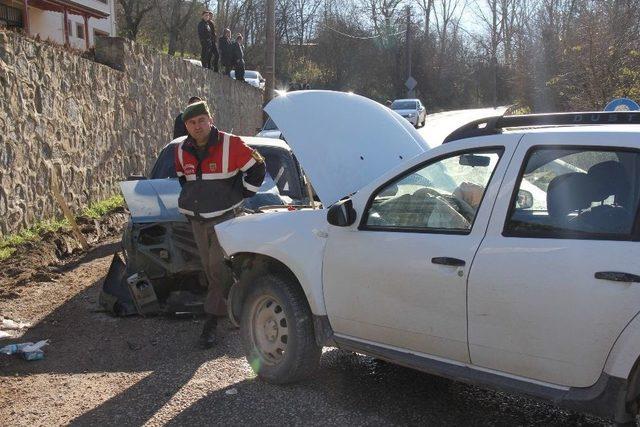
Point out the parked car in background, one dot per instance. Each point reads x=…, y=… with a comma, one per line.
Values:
x=269, y=130
x=410, y=109
x=254, y=78
x=158, y=241
x=441, y=260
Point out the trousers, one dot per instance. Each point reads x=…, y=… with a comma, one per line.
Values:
x=218, y=274
x=209, y=57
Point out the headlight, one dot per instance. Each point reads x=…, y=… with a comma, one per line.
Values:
x=412, y=115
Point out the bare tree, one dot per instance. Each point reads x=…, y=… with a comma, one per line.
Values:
x=305, y=11
x=447, y=20
x=426, y=6
x=180, y=11
x=134, y=12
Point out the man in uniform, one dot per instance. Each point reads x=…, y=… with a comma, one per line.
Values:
x=217, y=171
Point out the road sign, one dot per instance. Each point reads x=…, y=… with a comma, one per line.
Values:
x=622, y=104
x=411, y=83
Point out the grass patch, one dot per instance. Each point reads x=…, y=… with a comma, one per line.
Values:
x=100, y=209
x=96, y=210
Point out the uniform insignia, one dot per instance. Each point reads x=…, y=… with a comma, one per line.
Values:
x=258, y=158
x=212, y=166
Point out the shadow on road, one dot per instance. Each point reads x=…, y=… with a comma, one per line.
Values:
x=347, y=389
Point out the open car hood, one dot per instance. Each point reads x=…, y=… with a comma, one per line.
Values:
x=343, y=141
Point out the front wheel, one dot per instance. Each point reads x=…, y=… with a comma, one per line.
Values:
x=277, y=331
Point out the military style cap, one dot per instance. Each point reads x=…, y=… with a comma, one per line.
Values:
x=195, y=109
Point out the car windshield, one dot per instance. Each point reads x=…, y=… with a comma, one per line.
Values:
x=269, y=125
x=403, y=105
x=281, y=168
x=250, y=74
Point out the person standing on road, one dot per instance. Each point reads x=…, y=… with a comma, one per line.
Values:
x=226, y=51
x=178, y=124
x=207, y=36
x=217, y=171
x=238, y=58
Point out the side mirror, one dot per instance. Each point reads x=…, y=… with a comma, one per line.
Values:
x=524, y=200
x=342, y=214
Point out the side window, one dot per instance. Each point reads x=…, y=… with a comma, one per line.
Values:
x=576, y=193
x=269, y=125
x=442, y=196
x=282, y=169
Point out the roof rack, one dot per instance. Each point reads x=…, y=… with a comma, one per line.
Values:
x=494, y=124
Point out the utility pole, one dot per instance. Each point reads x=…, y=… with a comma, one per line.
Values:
x=409, y=50
x=270, y=58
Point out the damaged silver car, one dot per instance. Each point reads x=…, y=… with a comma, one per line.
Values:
x=159, y=269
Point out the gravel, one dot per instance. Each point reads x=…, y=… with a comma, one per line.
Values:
x=101, y=370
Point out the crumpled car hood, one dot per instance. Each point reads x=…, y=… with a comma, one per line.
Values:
x=152, y=200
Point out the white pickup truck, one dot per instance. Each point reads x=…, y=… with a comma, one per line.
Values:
x=506, y=256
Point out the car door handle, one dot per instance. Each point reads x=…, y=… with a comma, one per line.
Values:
x=454, y=262
x=617, y=276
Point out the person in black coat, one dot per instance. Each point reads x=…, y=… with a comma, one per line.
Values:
x=226, y=51
x=238, y=58
x=179, y=129
x=207, y=36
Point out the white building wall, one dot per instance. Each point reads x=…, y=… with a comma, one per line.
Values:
x=47, y=25
x=50, y=25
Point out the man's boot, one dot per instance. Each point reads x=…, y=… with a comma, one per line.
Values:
x=208, y=336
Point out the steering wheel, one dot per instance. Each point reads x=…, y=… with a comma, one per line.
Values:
x=455, y=203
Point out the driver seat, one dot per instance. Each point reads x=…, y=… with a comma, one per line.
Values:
x=568, y=193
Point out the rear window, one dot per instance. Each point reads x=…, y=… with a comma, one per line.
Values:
x=403, y=105
x=165, y=166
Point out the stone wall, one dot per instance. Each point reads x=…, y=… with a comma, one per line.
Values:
x=95, y=123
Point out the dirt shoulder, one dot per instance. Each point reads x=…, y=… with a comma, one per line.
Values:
x=101, y=370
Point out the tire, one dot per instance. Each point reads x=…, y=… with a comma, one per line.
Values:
x=276, y=329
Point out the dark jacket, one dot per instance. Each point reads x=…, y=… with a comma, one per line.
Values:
x=206, y=33
x=238, y=54
x=179, y=129
x=216, y=179
x=226, y=51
